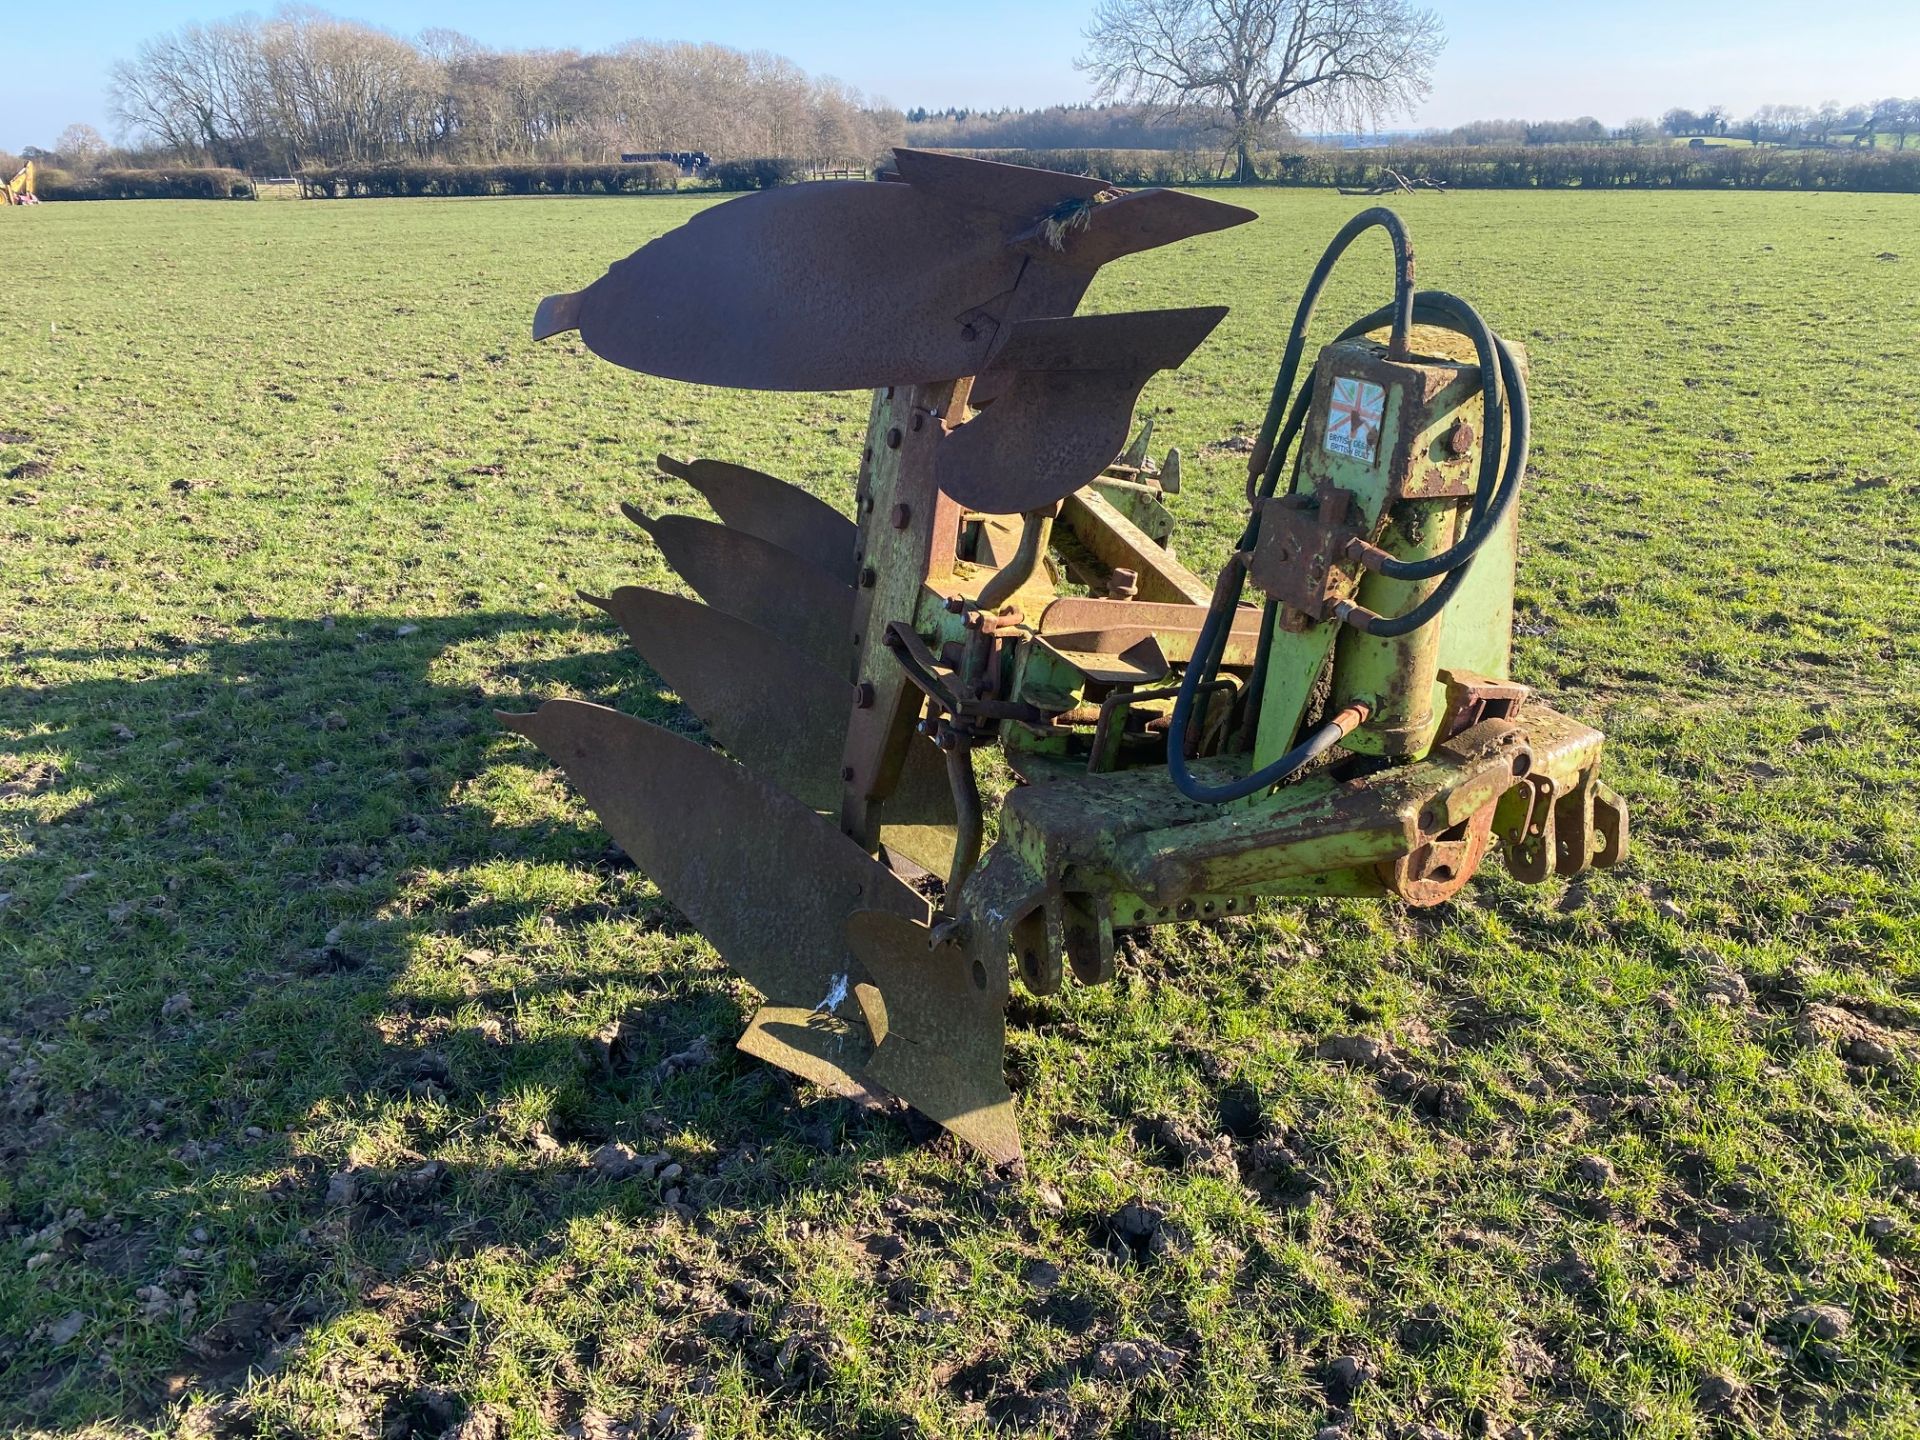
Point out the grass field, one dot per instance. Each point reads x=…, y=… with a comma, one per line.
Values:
x=320, y=989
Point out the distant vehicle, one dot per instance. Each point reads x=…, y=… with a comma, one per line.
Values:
x=19, y=190
x=692, y=163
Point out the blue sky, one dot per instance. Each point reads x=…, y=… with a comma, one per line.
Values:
x=1538, y=60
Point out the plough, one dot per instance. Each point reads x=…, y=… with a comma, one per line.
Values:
x=1180, y=753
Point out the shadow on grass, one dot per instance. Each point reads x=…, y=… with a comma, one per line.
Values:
x=292, y=914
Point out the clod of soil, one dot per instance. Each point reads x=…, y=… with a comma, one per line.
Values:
x=1137, y=1233
x=1133, y=1359
x=1719, y=1393
x=1356, y=1050
x=1594, y=1169
x=614, y=1160
x=1823, y=1322
x=699, y=1053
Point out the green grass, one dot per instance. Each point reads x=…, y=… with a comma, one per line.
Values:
x=291, y=504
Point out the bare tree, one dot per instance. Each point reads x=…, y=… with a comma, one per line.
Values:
x=190, y=90
x=1261, y=62
x=80, y=147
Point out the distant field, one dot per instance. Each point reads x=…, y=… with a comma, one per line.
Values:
x=320, y=988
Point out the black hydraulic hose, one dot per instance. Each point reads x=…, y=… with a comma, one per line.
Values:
x=1262, y=475
x=1206, y=656
x=1265, y=454
x=1502, y=470
x=1498, y=487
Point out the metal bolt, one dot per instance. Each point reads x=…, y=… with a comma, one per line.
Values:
x=919, y=420
x=902, y=513
x=846, y=773
x=863, y=695
x=1123, y=584
x=1461, y=440
x=868, y=575
x=893, y=438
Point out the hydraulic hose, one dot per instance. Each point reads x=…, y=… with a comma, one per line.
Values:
x=1502, y=469
x=1266, y=455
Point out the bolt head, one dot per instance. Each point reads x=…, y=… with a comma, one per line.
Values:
x=902, y=513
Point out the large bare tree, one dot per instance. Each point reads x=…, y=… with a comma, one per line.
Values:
x=1255, y=64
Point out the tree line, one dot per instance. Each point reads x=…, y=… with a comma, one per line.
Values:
x=1119, y=127
x=1512, y=167
x=305, y=88
x=1860, y=125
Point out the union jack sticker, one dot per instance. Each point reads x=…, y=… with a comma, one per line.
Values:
x=1353, y=419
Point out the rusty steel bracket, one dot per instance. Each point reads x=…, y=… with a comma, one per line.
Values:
x=1590, y=826
x=1564, y=829
x=1454, y=833
x=1301, y=552
x=1529, y=850
x=1040, y=944
x=1067, y=930
x=1610, y=824
x=1440, y=866
x=933, y=680
x=1472, y=698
